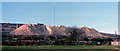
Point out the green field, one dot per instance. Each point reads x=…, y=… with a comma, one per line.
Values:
x=60, y=47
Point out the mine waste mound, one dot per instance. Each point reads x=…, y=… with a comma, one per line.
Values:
x=32, y=29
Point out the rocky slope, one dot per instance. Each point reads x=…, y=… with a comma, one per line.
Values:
x=32, y=29
x=90, y=32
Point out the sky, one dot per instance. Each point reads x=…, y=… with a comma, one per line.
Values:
x=60, y=0
x=102, y=16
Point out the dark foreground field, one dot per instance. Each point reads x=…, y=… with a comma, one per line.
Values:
x=60, y=48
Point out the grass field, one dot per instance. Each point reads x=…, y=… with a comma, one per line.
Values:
x=60, y=47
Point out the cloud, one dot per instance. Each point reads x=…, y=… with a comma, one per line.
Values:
x=106, y=24
x=102, y=25
x=9, y=22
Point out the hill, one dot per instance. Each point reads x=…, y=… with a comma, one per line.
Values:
x=41, y=29
x=33, y=29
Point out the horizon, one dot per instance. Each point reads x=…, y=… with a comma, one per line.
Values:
x=99, y=15
x=66, y=26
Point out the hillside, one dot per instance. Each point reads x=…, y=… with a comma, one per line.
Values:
x=41, y=29
x=8, y=27
x=32, y=29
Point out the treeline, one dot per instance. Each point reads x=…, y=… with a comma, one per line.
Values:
x=14, y=40
x=76, y=37
x=52, y=38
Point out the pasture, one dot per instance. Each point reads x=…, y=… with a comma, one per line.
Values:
x=61, y=48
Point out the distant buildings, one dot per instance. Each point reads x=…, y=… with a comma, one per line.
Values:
x=115, y=43
x=39, y=24
x=8, y=27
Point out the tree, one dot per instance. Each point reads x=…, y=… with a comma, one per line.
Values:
x=75, y=34
x=96, y=39
x=107, y=39
x=85, y=39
